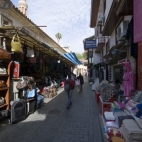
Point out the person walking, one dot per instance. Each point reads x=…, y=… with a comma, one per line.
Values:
x=69, y=86
x=77, y=83
x=80, y=77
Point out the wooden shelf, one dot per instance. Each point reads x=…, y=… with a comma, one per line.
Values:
x=4, y=88
x=3, y=105
x=4, y=75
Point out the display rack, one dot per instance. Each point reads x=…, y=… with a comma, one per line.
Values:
x=4, y=91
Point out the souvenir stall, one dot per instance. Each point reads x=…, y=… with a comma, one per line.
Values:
x=122, y=120
x=23, y=61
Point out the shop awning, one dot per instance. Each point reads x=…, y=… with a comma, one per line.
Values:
x=72, y=57
x=111, y=20
x=94, y=12
x=124, y=8
x=30, y=41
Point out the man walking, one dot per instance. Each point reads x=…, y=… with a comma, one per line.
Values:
x=80, y=77
x=69, y=86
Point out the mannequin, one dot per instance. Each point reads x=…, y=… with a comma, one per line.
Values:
x=128, y=79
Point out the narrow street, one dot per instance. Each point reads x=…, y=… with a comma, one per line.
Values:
x=78, y=124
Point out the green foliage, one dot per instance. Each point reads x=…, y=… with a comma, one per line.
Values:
x=81, y=56
x=58, y=36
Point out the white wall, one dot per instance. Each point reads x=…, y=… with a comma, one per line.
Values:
x=108, y=6
x=96, y=57
x=113, y=39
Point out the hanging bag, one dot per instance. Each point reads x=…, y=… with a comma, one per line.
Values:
x=1, y=101
x=4, y=55
x=15, y=44
x=30, y=53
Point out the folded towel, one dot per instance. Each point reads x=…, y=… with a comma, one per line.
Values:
x=121, y=118
x=125, y=136
x=134, y=132
x=109, y=115
x=116, y=114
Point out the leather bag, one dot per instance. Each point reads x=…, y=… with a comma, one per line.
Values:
x=2, y=83
x=21, y=84
x=30, y=53
x=15, y=44
x=4, y=55
x=3, y=71
x=1, y=101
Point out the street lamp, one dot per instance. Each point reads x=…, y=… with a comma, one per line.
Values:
x=6, y=4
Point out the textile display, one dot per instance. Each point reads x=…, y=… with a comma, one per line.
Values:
x=117, y=114
x=109, y=115
x=132, y=129
x=113, y=132
x=114, y=108
x=111, y=124
x=105, y=89
x=139, y=122
x=126, y=117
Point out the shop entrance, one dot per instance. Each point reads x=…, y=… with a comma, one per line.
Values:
x=118, y=73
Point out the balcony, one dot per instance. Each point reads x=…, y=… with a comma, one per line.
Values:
x=111, y=20
x=124, y=8
x=94, y=12
x=100, y=41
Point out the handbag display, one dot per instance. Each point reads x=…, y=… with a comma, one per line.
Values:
x=1, y=101
x=15, y=44
x=4, y=55
x=2, y=83
x=30, y=53
x=21, y=84
x=3, y=71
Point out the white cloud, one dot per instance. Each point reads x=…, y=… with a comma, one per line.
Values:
x=69, y=17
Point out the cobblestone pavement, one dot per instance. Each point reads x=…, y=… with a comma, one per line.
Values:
x=78, y=124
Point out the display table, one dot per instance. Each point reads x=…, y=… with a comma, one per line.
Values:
x=104, y=106
x=97, y=94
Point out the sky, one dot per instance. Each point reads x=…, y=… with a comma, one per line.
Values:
x=71, y=18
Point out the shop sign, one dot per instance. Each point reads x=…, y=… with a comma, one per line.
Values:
x=90, y=44
x=122, y=61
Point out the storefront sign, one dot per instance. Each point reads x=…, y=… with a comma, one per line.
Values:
x=90, y=44
x=122, y=61
x=137, y=21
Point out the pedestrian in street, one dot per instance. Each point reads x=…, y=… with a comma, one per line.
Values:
x=80, y=77
x=69, y=86
x=77, y=83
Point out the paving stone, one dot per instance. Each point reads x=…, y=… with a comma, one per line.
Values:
x=78, y=124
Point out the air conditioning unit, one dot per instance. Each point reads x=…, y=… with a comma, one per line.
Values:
x=100, y=18
x=121, y=30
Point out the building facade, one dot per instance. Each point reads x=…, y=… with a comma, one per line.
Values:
x=111, y=20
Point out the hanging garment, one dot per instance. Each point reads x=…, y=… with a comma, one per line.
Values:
x=128, y=80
